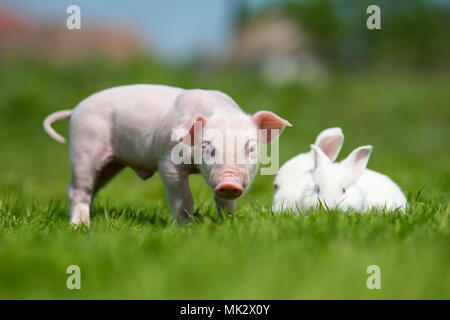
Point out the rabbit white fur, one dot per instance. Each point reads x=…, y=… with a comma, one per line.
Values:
x=289, y=183
x=349, y=185
x=346, y=185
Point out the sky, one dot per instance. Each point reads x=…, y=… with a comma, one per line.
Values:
x=173, y=29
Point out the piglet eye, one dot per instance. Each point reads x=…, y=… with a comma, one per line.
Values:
x=250, y=147
x=343, y=190
x=207, y=146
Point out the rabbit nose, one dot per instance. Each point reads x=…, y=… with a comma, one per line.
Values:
x=333, y=206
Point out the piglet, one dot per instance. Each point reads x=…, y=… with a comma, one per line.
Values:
x=167, y=129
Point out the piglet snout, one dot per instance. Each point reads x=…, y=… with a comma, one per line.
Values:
x=229, y=188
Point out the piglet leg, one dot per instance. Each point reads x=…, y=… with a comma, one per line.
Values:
x=90, y=171
x=80, y=192
x=226, y=207
x=179, y=197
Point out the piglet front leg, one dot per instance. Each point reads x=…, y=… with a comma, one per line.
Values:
x=178, y=194
x=225, y=207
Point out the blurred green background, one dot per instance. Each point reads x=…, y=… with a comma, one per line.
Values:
x=312, y=62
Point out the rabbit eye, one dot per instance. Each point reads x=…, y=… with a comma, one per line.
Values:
x=213, y=152
x=343, y=190
x=275, y=185
x=317, y=189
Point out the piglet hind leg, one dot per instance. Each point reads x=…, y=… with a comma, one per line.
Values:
x=90, y=172
x=80, y=192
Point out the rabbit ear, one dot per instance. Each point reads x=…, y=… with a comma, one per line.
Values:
x=330, y=141
x=358, y=159
x=320, y=158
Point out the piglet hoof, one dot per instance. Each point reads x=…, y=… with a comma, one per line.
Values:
x=80, y=216
x=183, y=220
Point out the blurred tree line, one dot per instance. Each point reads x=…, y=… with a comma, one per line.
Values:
x=414, y=33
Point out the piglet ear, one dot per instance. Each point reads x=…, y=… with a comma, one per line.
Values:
x=357, y=160
x=191, y=128
x=270, y=122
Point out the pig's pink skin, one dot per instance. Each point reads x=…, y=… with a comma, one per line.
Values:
x=132, y=126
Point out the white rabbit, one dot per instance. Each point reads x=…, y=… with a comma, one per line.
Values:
x=288, y=183
x=348, y=184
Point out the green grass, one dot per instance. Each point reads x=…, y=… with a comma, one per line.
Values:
x=134, y=250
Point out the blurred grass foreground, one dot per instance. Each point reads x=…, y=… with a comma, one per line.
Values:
x=390, y=90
